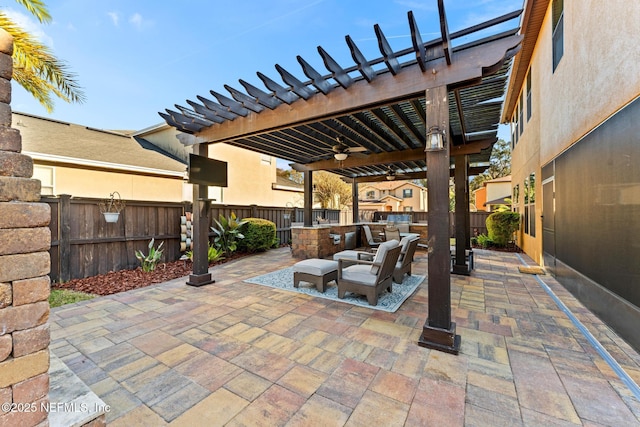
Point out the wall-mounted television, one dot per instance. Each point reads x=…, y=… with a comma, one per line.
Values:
x=205, y=171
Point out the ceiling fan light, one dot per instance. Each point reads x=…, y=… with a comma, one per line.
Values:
x=341, y=156
x=391, y=177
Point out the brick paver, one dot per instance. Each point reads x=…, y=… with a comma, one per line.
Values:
x=233, y=353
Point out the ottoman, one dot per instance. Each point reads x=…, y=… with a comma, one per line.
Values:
x=316, y=271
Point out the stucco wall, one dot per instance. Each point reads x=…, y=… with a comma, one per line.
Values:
x=598, y=74
x=99, y=184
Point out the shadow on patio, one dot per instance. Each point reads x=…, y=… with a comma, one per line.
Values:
x=234, y=353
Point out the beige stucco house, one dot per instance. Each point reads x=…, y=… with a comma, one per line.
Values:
x=396, y=196
x=573, y=103
x=86, y=162
x=493, y=193
x=251, y=176
x=147, y=165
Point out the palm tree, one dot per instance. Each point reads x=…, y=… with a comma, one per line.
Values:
x=35, y=68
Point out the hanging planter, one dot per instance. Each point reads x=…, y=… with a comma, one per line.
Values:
x=111, y=207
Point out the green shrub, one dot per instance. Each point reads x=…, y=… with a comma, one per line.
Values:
x=213, y=254
x=150, y=261
x=228, y=233
x=501, y=226
x=259, y=235
x=484, y=241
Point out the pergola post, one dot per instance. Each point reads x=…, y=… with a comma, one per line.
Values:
x=354, y=198
x=200, y=275
x=461, y=214
x=308, y=199
x=438, y=331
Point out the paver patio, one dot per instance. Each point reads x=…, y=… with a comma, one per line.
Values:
x=233, y=353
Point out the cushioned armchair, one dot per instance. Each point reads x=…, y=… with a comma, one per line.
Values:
x=370, y=278
x=403, y=266
x=373, y=243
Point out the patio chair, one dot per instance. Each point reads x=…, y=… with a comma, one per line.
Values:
x=370, y=240
x=403, y=227
x=403, y=266
x=391, y=233
x=370, y=278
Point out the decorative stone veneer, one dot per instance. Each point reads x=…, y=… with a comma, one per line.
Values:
x=316, y=242
x=24, y=267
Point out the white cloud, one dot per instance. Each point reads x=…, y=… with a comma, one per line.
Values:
x=29, y=25
x=136, y=20
x=115, y=18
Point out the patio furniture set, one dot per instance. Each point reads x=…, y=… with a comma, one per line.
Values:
x=361, y=272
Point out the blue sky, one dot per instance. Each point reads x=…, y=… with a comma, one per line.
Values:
x=135, y=58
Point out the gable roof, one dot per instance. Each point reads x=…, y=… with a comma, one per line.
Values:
x=391, y=185
x=498, y=180
x=61, y=142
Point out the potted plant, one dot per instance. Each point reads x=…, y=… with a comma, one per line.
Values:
x=111, y=207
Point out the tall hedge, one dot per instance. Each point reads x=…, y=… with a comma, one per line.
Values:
x=259, y=235
x=501, y=226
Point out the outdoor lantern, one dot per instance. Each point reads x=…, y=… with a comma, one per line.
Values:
x=341, y=156
x=435, y=139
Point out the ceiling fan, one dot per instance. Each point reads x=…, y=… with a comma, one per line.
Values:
x=393, y=173
x=341, y=150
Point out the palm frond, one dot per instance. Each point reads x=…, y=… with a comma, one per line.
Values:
x=37, y=70
x=37, y=9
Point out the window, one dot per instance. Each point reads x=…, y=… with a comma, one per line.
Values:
x=408, y=209
x=406, y=193
x=514, y=130
x=265, y=159
x=45, y=175
x=558, y=31
x=530, y=205
x=371, y=194
x=529, y=95
x=521, y=109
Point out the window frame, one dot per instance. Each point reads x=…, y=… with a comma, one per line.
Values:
x=557, y=34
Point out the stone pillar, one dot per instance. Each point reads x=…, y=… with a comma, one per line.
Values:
x=24, y=267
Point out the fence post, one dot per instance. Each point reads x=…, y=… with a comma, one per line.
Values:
x=64, y=238
x=254, y=211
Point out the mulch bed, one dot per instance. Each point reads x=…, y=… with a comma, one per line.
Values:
x=126, y=280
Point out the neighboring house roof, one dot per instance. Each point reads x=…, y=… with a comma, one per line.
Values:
x=54, y=141
x=391, y=185
x=499, y=179
x=286, y=184
x=505, y=200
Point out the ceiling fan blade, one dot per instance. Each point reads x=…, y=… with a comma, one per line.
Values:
x=356, y=149
x=361, y=155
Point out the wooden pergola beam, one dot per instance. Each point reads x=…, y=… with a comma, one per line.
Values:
x=469, y=65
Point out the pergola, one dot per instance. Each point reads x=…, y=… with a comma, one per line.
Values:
x=381, y=109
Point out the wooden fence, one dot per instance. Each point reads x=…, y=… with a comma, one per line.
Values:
x=83, y=244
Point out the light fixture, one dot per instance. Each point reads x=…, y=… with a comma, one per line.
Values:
x=391, y=177
x=341, y=156
x=435, y=139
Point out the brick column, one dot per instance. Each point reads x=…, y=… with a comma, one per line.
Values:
x=24, y=267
